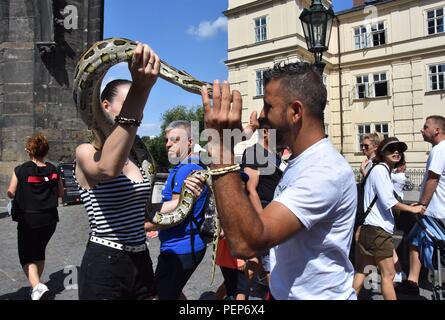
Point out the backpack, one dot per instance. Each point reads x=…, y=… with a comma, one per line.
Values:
x=207, y=227
x=361, y=214
x=432, y=236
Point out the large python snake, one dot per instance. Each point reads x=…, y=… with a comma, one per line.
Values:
x=91, y=68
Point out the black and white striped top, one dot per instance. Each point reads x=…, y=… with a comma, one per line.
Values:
x=116, y=208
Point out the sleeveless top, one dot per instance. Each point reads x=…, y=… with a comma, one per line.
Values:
x=116, y=208
x=36, y=197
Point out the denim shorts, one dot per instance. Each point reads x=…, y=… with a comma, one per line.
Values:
x=112, y=274
x=414, y=236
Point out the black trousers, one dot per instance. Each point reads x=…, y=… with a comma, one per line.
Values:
x=235, y=282
x=32, y=242
x=111, y=274
x=173, y=271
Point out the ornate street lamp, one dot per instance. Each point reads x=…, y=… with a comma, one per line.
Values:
x=317, y=25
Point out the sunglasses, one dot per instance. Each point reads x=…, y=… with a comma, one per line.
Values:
x=392, y=149
x=363, y=145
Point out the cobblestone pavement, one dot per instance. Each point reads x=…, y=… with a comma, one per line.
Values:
x=64, y=254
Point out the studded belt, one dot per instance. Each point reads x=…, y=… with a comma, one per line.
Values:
x=118, y=246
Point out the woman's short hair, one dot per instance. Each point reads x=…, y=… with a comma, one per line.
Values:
x=37, y=146
x=375, y=137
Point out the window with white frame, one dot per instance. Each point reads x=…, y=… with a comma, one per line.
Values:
x=361, y=37
x=362, y=87
x=436, y=77
x=435, y=21
x=377, y=87
x=378, y=34
x=260, y=29
x=363, y=129
x=371, y=35
x=380, y=85
x=259, y=82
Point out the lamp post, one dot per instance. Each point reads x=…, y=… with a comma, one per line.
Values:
x=317, y=25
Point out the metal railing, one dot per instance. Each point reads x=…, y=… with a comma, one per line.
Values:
x=415, y=178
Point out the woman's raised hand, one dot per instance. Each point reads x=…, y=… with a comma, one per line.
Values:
x=144, y=66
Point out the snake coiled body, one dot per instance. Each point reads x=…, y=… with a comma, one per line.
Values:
x=90, y=70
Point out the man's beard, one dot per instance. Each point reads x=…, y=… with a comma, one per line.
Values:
x=281, y=132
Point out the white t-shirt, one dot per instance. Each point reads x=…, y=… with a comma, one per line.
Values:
x=436, y=164
x=319, y=188
x=399, y=180
x=379, y=183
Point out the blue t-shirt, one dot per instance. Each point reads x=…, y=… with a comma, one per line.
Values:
x=177, y=239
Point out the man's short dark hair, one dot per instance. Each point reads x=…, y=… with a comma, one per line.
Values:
x=300, y=81
x=439, y=122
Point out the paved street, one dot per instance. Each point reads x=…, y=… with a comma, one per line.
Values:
x=64, y=254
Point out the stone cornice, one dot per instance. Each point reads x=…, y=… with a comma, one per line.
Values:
x=294, y=49
x=412, y=55
x=358, y=12
x=249, y=6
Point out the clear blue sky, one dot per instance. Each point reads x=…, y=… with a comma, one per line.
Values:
x=190, y=35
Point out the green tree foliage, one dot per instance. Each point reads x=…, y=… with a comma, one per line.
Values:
x=156, y=145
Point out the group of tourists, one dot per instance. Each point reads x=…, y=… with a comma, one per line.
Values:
x=290, y=229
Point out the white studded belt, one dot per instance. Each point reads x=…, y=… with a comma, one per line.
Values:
x=118, y=246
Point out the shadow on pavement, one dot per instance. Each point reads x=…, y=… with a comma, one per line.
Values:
x=55, y=285
x=21, y=294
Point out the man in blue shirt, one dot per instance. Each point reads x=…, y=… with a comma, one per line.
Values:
x=182, y=248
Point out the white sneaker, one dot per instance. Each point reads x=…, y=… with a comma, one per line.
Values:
x=38, y=291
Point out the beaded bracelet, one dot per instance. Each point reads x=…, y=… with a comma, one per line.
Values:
x=125, y=121
x=224, y=170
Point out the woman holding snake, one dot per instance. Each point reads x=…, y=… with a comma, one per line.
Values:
x=114, y=190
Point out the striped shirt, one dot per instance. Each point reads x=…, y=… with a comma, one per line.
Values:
x=116, y=209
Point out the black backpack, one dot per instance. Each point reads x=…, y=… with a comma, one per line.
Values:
x=207, y=227
x=361, y=214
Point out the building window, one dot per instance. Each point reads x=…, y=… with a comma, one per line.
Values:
x=260, y=29
x=363, y=129
x=380, y=85
x=362, y=87
x=367, y=89
x=370, y=35
x=435, y=21
x=259, y=82
x=378, y=34
x=361, y=37
x=436, y=77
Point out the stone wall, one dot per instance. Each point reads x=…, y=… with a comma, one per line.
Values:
x=40, y=43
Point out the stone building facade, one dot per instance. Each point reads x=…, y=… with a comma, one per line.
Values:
x=40, y=44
